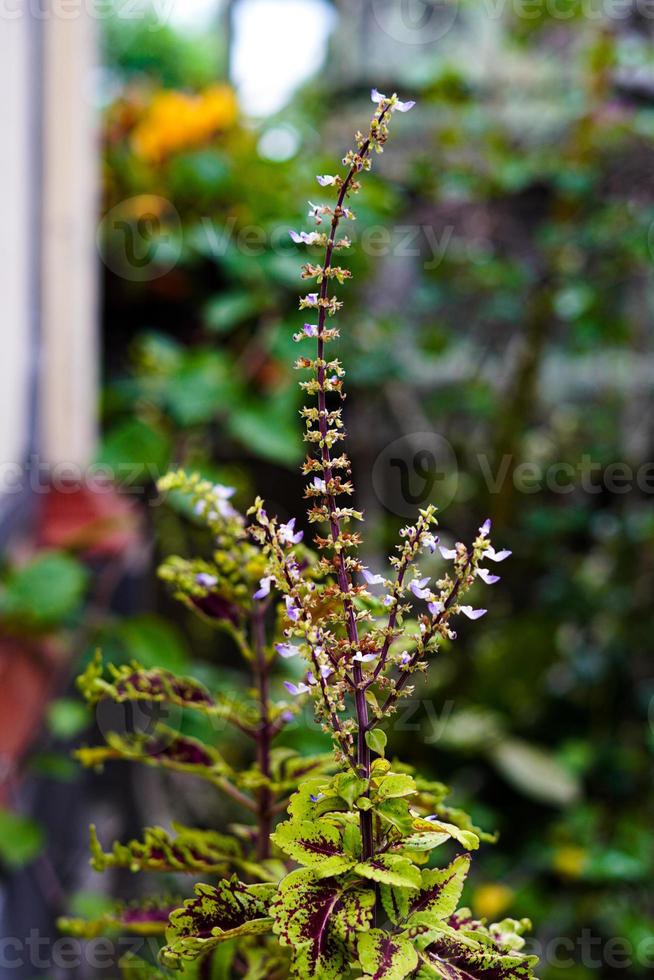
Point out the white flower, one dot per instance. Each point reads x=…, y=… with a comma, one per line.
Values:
x=418, y=587
x=326, y=180
x=365, y=658
x=447, y=553
x=484, y=530
x=372, y=579
x=487, y=576
x=205, y=580
x=395, y=102
x=496, y=555
x=472, y=613
x=319, y=484
x=305, y=237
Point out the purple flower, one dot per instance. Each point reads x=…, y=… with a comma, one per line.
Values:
x=472, y=613
x=447, y=553
x=311, y=299
x=318, y=796
x=205, y=580
x=288, y=534
x=292, y=610
x=296, y=689
x=319, y=484
x=418, y=587
x=326, y=180
x=435, y=607
x=405, y=658
x=326, y=670
x=310, y=329
x=487, y=576
x=429, y=540
x=264, y=587
x=286, y=650
x=372, y=579
x=496, y=555
x=484, y=530
x=403, y=106
x=388, y=600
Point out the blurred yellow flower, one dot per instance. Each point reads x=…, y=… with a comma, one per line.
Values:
x=491, y=901
x=569, y=860
x=177, y=120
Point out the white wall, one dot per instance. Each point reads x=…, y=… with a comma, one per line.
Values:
x=18, y=251
x=48, y=258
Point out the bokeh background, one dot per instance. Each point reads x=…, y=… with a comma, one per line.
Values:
x=498, y=342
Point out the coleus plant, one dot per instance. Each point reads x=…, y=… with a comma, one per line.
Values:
x=349, y=884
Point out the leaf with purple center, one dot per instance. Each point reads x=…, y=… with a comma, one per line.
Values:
x=316, y=844
x=320, y=920
x=217, y=914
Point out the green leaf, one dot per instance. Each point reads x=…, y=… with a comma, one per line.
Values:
x=153, y=642
x=315, y=844
x=202, y=386
x=391, y=869
x=535, y=772
x=385, y=957
x=396, y=785
x=268, y=430
x=228, y=911
x=319, y=919
x=188, y=850
x=147, y=918
x=376, y=740
x=135, y=452
x=452, y=955
x=395, y=902
x=21, y=839
x=439, y=893
x=433, y=833
x=67, y=717
x=45, y=592
x=228, y=310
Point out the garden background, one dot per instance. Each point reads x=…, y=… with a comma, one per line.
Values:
x=498, y=343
